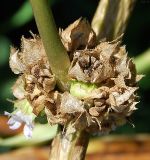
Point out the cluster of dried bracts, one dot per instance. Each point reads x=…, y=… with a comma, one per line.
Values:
x=103, y=80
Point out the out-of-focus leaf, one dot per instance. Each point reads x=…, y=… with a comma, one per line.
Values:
x=41, y=134
x=5, y=94
x=6, y=89
x=4, y=50
x=145, y=82
x=142, y=63
x=21, y=17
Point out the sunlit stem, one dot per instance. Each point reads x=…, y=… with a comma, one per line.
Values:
x=70, y=146
x=111, y=18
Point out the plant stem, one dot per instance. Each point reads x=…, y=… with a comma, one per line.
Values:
x=57, y=55
x=69, y=147
x=74, y=145
x=111, y=18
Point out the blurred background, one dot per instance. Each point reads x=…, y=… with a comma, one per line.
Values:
x=16, y=19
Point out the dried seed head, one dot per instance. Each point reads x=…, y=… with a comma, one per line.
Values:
x=15, y=61
x=78, y=35
x=114, y=98
x=37, y=80
x=103, y=80
x=18, y=88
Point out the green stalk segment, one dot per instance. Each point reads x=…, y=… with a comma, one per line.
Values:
x=57, y=55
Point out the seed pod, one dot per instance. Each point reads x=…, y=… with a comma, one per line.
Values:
x=78, y=35
x=103, y=81
x=114, y=73
x=37, y=80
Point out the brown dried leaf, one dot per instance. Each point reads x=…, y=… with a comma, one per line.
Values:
x=33, y=46
x=15, y=62
x=95, y=65
x=118, y=99
x=52, y=102
x=55, y=119
x=78, y=35
x=49, y=84
x=18, y=88
x=38, y=104
x=120, y=81
x=108, y=49
x=70, y=104
x=96, y=111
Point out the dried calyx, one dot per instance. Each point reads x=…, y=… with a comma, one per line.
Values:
x=103, y=80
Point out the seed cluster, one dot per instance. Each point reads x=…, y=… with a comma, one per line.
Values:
x=103, y=64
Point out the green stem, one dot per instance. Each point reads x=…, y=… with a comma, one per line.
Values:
x=57, y=55
x=111, y=18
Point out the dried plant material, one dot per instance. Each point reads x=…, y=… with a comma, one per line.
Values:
x=78, y=35
x=95, y=65
x=113, y=72
x=117, y=99
x=33, y=46
x=20, y=60
x=15, y=62
x=103, y=81
x=18, y=88
x=95, y=111
x=52, y=109
x=70, y=104
x=37, y=80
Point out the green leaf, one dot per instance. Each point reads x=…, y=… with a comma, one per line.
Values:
x=6, y=88
x=4, y=50
x=22, y=16
x=142, y=63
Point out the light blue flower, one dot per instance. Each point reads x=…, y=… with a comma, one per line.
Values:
x=17, y=118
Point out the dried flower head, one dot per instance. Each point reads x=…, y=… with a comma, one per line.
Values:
x=78, y=35
x=103, y=89
x=37, y=80
x=103, y=80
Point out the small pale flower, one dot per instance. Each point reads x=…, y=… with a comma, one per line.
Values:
x=17, y=118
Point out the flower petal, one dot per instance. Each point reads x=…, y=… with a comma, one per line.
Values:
x=28, y=131
x=16, y=125
x=11, y=121
x=7, y=113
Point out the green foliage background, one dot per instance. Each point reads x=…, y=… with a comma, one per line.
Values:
x=16, y=19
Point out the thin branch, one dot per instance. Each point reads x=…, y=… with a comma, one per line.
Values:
x=57, y=55
x=111, y=18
